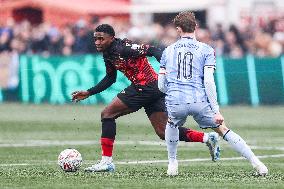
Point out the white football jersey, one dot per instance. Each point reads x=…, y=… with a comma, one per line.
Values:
x=184, y=62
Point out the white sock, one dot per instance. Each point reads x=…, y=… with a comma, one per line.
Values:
x=172, y=138
x=205, y=137
x=239, y=145
x=107, y=158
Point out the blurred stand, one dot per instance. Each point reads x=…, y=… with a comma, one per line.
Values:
x=9, y=76
x=41, y=27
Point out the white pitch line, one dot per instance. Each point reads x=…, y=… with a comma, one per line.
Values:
x=41, y=143
x=147, y=161
x=196, y=159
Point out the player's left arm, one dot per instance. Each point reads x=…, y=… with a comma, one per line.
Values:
x=210, y=89
x=209, y=82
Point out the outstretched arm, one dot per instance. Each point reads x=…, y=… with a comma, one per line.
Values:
x=105, y=83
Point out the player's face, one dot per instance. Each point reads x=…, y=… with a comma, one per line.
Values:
x=102, y=41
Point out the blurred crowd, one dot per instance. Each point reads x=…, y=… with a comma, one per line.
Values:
x=262, y=39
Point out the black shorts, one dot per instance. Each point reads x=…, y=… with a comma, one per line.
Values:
x=148, y=96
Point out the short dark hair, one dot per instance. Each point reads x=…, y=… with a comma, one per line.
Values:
x=105, y=28
x=186, y=21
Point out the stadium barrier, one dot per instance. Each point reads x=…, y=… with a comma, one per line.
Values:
x=249, y=80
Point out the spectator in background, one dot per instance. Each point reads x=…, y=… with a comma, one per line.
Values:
x=239, y=38
x=231, y=47
x=39, y=40
x=265, y=39
x=55, y=42
x=81, y=37
x=218, y=33
x=68, y=41
x=5, y=39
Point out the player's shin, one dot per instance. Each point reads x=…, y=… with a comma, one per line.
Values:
x=108, y=137
x=172, y=138
x=239, y=145
x=107, y=141
x=189, y=135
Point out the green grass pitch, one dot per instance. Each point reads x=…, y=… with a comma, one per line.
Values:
x=32, y=136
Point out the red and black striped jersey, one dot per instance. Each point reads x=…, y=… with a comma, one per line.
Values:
x=131, y=60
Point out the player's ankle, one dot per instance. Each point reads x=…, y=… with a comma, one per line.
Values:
x=254, y=161
x=205, y=137
x=107, y=158
x=172, y=160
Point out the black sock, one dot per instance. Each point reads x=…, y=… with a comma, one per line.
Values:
x=108, y=128
x=182, y=134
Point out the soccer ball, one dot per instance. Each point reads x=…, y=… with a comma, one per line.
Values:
x=70, y=160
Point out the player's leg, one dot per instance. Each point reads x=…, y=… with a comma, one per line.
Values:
x=239, y=145
x=205, y=118
x=157, y=115
x=115, y=109
x=118, y=107
x=203, y=115
x=170, y=133
x=172, y=138
x=177, y=117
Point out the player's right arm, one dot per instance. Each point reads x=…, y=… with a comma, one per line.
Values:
x=162, y=81
x=105, y=83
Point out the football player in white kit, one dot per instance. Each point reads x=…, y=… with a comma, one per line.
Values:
x=186, y=76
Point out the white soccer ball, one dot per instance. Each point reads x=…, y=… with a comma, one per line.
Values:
x=70, y=160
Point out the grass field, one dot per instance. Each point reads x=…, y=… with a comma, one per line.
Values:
x=32, y=136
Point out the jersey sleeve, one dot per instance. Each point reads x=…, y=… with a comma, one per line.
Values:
x=162, y=80
x=107, y=81
x=210, y=88
x=132, y=50
x=163, y=59
x=210, y=58
x=110, y=69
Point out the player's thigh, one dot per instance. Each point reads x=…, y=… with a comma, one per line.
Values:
x=203, y=115
x=158, y=121
x=177, y=114
x=132, y=98
x=156, y=112
x=116, y=109
x=155, y=104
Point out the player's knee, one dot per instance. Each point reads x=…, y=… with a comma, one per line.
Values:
x=106, y=114
x=221, y=130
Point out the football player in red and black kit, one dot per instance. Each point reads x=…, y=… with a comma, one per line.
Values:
x=131, y=60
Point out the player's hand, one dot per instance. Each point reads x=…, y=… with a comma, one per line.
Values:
x=79, y=95
x=219, y=119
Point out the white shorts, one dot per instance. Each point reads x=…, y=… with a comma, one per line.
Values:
x=200, y=111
